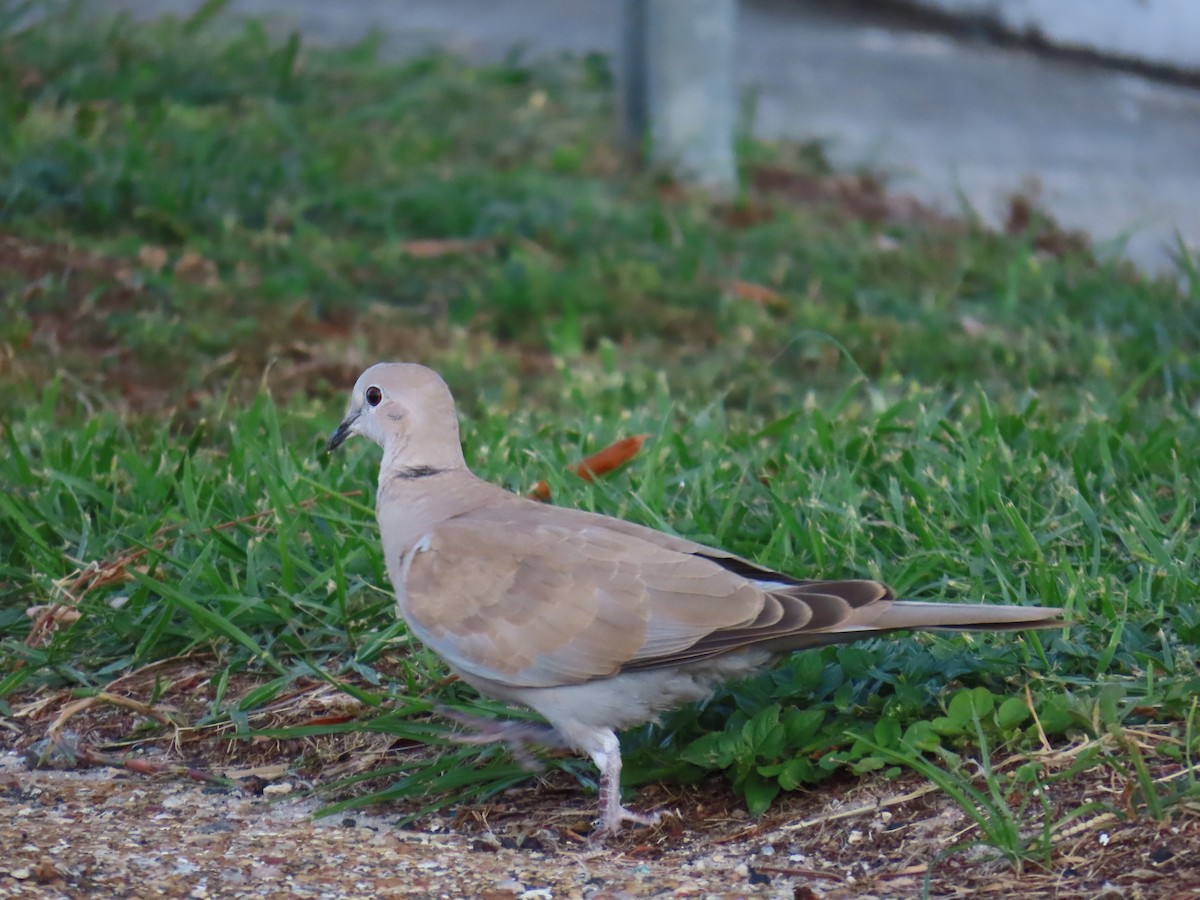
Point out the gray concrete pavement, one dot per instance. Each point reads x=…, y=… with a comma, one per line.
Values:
x=1116, y=154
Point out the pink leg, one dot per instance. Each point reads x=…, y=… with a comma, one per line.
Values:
x=612, y=814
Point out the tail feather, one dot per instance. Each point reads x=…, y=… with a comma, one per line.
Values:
x=799, y=614
x=883, y=615
x=918, y=615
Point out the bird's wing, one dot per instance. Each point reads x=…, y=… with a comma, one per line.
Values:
x=530, y=601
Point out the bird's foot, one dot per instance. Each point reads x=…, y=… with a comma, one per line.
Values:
x=613, y=813
x=518, y=737
x=613, y=819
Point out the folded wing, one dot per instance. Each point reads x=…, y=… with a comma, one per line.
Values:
x=534, y=600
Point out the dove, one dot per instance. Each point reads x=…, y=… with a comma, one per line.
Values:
x=595, y=623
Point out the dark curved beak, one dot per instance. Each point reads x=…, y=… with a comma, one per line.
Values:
x=343, y=431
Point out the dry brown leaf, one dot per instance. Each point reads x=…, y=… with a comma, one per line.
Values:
x=195, y=269
x=755, y=293
x=152, y=257
x=747, y=214
x=432, y=248
x=337, y=719
x=54, y=612
x=611, y=457
x=161, y=713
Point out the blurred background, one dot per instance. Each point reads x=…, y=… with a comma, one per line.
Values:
x=1090, y=105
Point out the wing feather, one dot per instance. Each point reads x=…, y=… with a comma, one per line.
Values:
x=538, y=604
x=533, y=596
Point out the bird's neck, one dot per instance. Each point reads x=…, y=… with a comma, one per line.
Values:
x=403, y=461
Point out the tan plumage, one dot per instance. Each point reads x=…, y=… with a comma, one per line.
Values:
x=596, y=623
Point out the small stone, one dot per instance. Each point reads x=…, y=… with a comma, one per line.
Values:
x=45, y=872
x=277, y=790
x=759, y=878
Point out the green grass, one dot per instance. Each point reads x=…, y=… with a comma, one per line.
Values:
x=205, y=235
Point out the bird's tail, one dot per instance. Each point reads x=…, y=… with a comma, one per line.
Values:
x=919, y=616
x=835, y=612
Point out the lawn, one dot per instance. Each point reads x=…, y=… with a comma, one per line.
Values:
x=208, y=230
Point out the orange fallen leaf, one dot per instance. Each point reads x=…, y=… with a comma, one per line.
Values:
x=432, y=248
x=336, y=719
x=755, y=293
x=611, y=457
x=143, y=767
x=152, y=258
x=747, y=214
x=195, y=269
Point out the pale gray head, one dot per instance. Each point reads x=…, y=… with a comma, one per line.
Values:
x=408, y=410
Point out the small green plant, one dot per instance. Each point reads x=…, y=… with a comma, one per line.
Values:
x=1001, y=822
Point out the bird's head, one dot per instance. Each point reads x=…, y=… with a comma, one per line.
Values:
x=408, y=410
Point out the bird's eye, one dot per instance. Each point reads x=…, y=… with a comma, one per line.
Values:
x=374, y=396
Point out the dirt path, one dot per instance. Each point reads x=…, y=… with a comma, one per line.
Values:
x=106, y=833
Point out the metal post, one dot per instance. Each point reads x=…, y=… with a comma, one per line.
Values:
x=678, y=89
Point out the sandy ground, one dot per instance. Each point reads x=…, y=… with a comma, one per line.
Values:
x=107, y=833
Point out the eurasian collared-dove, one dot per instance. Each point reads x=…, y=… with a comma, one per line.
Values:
x=596, y=623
